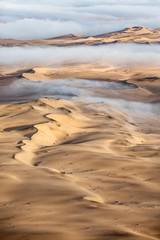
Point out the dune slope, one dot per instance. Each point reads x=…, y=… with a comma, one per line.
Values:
x=78, y=171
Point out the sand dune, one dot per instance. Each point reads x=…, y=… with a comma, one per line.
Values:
x=142, y=82
x=86, y=169
x=134, y=34
x=78, y=171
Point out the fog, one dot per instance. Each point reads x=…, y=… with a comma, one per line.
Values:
x=72, y=89
x=33, y=19
x=113, y=55
x=37, y=19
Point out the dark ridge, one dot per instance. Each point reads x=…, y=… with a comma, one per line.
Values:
x=71, y=35
x=17, y=74
x=64, y=110
x=37, y=164
x=26, y=71
x=129, y=85
x=22, y=127
x=18, y=128
x=152, y=79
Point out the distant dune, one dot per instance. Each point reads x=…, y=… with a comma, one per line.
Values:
x=134, y=34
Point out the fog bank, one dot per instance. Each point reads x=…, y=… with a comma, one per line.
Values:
x=72, y=89
x=33, y=19
x=116, y=55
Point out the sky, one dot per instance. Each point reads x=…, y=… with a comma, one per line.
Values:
x=36, y=19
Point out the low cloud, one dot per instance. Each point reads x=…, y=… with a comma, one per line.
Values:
x=114, y=55
x=51, y=18
x=71, y=89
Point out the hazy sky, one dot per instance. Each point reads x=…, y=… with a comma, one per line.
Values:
x=30, y=19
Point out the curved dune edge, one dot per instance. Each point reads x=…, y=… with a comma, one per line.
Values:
x=145, y=79
x=77, y=171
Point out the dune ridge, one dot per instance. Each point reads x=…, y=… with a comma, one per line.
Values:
x=145, y=80
x=78, y=171
x=135, y=34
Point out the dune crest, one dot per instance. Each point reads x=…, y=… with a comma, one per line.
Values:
x=135, y=34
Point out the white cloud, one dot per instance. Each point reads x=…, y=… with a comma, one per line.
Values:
x=72, y=89
x=30, y=19
x=117, y=55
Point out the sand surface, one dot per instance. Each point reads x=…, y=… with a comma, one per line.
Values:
x=78, y=171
